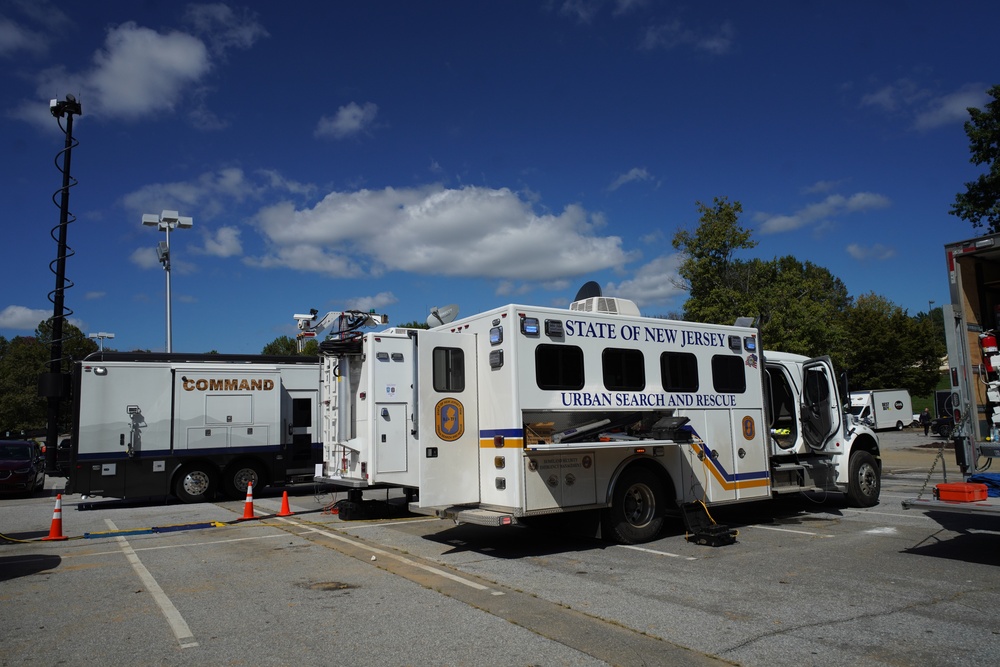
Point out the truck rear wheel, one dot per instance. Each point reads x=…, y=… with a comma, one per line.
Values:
x=865, y=482
x=237, y=476
x=637, y=508
x=195, y=484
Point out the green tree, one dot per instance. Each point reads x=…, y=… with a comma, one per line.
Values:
x=286, y=345
x=413, y=325
x=801, y=307
x=890, y=349
x=22, y=361
x=715, y=281
x=981, y=199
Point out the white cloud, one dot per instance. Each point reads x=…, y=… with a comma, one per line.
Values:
x=350, y=120
x=224, y=28
x=144, y=258
x=224, y=243
x=22, y=318
x=139, y=72
x=926, y=109
x=16, y=39
x=654, y=283
x=876, y=252
x=91, y=296
x=951, y=108
x=378, y=302
x=634, y=174
x=431, y=230
x=211, y=193
x=832, y=206
x=674, y=34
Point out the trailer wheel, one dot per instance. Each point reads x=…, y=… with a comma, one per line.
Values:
x=864, y=483
x=236, y=478
x=637, y=507
x=195, y=484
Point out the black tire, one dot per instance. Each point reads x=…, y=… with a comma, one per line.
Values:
x=195, y=484
x=899, y=426
x=638, y=504
x=865, y=480
x=945, y=431
x=236, y=477
x=39, y=486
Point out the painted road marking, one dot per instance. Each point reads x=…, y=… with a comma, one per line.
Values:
x=401, y=559
x=177, y=623
x=655, y=551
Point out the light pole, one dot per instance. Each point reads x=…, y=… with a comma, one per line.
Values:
x=166, y=221
x=101, y=335
x=930, y=306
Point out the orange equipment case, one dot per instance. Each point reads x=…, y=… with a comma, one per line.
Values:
x=962, y=492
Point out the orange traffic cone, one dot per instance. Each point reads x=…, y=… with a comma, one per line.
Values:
x=285, y=511
x=55, y=531
x=248, y=506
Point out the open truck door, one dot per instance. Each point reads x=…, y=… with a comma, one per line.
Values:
x=448, y=419
x=821, y=409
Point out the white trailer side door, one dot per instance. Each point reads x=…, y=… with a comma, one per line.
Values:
x=448, y=426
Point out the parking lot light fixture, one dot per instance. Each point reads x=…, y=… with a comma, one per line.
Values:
x=166, y=221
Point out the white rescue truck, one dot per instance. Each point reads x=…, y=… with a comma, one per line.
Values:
x=972, y=328
x=524, y=411
x=148, y=424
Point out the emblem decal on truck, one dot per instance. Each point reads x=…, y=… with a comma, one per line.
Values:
x=449, y=419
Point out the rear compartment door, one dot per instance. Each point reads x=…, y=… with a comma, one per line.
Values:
x=821, y=410
x=448, y=427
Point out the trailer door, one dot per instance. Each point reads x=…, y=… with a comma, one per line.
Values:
x=448, y=426
x=300, y=413
x=821, y=409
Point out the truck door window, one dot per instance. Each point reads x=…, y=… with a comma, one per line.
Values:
x=679, y=371
x=729, y=375
x=559, y=367
x=624, y=370
x=449, y=369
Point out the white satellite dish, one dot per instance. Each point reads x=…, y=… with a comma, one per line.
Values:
x=442, y=315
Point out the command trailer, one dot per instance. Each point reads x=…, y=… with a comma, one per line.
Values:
x=524, y=411
x=148, y=424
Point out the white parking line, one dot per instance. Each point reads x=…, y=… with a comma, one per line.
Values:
x=789, y=530
x=177, y=623
x=401, y=559
x=654, y=551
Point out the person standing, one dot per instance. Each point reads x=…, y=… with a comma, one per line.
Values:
x=925, y=420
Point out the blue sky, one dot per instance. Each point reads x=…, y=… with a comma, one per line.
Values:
x=406, y=155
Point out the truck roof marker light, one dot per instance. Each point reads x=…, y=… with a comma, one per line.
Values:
x=640, y=450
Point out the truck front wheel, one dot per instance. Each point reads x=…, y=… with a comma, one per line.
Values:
x=865, y=480
x=637, y=508
x=195, y=484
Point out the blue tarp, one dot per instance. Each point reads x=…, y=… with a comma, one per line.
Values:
x=991, y=480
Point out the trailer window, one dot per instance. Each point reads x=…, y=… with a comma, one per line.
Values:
x=679, y=371
x=624, y=370
x=559, y=367
x=728, y=375
x=449, y=369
